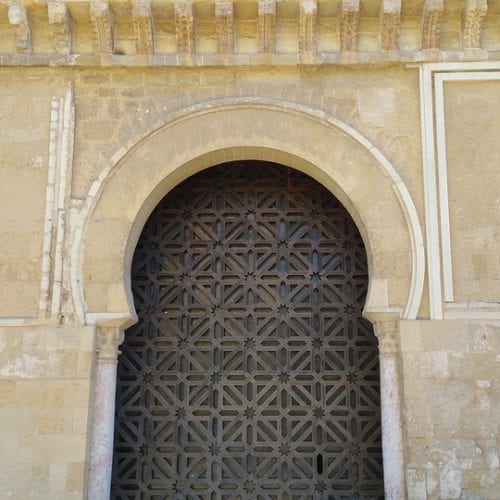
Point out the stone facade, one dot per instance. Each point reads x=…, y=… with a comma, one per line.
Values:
x=392, y=105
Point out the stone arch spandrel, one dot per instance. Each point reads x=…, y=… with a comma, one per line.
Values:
x=308, y=140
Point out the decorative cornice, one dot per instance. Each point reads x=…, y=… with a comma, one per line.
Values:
x=210, y=32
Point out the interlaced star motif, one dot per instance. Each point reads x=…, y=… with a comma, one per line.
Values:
x=180, y=412
x=282, y=245
x=179, y=486
x=249, y=486
x=150, y=308
x=216, y=377
x=182, y=343
x=250, y=343
x=153, y=245
x=187, y=215
x=318, y=412
x=283, y=310
x=249, y=412
x=315, y=277
x=349, y=309
x=284, y=448
x=214, y=449
x=352, y=377
x=317, y=343
x=148, y=378
x=320, y=486
x=144, y=449
x=355, y=449
x=283, y=377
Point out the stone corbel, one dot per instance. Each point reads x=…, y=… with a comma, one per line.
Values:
x=267, y=26
x=143, y=26
x=224, y=23
x=472, y=26
x=307, y=27
x=102, y=23
x=184, y=27
x=349, y=25
x=18, y=18
x=431, y=23
x=390, y=20
x=60, y=20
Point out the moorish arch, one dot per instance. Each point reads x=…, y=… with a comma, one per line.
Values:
x=308, y=140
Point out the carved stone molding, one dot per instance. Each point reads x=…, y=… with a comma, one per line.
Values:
x=108, y=343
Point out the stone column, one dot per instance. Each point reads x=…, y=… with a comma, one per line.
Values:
x=103, y=414
x=386, y=329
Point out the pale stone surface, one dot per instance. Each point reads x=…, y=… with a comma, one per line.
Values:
x=44, y=411
x=148, y=93
x=474, y=107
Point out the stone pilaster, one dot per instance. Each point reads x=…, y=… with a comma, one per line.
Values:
x=386, y=329
x=101, y=440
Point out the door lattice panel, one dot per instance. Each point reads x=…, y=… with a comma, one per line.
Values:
x=250, y=373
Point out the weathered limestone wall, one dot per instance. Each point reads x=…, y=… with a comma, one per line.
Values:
x=450, y=371
x=472, y=114
x=45, y=388
x=451, y=408
x=25, y=109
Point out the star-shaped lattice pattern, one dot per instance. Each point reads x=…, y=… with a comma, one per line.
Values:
x=250, y=373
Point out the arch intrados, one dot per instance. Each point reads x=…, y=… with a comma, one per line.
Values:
x=238, y=150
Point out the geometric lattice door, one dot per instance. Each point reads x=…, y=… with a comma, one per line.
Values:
x=250, y=373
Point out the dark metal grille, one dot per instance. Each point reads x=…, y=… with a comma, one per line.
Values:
x=250, y=373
